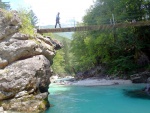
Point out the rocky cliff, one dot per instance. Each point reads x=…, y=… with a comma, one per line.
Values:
x=24, y=66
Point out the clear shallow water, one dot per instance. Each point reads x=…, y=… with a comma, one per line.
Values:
x=99, y=99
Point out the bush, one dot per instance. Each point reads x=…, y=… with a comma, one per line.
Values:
x=27, y=27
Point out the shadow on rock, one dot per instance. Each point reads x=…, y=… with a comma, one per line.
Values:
x=137, y=94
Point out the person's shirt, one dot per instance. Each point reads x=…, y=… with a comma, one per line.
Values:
x=57, y=17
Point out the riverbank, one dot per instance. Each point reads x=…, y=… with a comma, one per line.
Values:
x=101, y=82
x=94, y=82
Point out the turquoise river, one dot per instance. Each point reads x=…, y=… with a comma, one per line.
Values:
x=98, y=99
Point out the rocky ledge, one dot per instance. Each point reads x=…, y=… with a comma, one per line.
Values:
x=24, y=66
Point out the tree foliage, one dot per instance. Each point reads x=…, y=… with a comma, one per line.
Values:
x=123, y=49
x=33, y=17
x=27, y=26
x=4, y=5
x=62, y=63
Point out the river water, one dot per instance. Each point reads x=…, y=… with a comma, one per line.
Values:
x=98, y=99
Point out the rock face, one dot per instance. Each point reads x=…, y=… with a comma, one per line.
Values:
x=94, y=72
x=140, y=77
x=24, y=67
x=20, y=46
x=9, y=23
x=26, y=75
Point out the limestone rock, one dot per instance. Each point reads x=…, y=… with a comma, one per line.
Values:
x=148, y=80
x=29, y=103
x=140, y=77
x=93, y=72
x=9, y=23
x=25, y=75
x=56, y=43
x=15, y=46
x=24, y=66
x=21, y=46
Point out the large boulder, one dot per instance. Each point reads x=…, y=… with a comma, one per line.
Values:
x=21, y=46
x=140, y=77
x=15, y=46
x=30, y=75
x=9, y=23
x=22, y=82
x=26, y=104
x=24, y=66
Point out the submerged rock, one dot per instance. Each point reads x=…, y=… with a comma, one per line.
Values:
x=147, y=88
x=137, y=94
x=140, y=93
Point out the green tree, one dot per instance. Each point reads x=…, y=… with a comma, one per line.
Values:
x=33, y=18
x=27, y=27
x=62, y=61
x=5, y=5
x=121, y=49
x=81, y=57
x=58, y=63
x=66, y=55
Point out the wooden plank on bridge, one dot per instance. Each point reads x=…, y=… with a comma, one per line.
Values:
x=94, y=27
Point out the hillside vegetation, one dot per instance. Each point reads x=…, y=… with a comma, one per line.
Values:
x=121, y=50
x=62, y=63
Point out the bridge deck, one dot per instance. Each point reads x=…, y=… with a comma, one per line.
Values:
x=94, y=27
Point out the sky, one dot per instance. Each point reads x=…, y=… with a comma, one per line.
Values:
x=71, y=11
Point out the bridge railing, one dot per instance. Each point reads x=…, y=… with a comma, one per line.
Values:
x=95, y=27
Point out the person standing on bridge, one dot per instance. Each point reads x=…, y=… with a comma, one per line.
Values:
x=57, y=20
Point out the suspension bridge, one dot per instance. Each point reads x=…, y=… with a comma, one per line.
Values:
x=94, y=27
